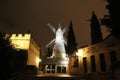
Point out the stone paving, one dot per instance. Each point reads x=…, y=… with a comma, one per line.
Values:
x=49, y=77
x=57, y=77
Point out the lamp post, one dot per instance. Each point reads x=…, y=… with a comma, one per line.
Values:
x=80, y=55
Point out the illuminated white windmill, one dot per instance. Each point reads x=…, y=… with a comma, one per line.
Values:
x=58, y=42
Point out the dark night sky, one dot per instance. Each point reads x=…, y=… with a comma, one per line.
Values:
x=17, y=16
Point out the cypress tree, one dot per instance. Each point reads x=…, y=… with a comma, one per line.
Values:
x=112, y=20
x=71, y=47
x=96, y=35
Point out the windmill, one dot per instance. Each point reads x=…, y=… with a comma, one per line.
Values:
x=58, y=42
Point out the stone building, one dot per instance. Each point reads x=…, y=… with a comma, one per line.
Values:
x=26, y=42
x=96, y=61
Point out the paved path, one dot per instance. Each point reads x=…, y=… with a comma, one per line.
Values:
x=57, y=77
x=49, y=77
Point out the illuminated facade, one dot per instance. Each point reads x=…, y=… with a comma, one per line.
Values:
x=59, y=43
x=57, y=63
x=26, y=42
x=95, y=61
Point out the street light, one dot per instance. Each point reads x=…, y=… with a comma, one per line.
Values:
x=79, y=53
x=38, y=60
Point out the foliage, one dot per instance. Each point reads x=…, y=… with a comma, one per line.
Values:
x=6, y=51
x=8, y=56
x=96, y=35
x=71, y=47
x=112, y=20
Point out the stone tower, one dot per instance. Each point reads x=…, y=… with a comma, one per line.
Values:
x=58, y=61
x=58, y=42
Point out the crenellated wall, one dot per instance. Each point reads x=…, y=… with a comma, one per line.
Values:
x=21, y=41
x=26, y=42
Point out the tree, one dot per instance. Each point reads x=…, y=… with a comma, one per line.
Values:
x=20, y=61
x=71, y=47
x=112, y=20
x=11, y=59
x=6, y=60
x=96, y=35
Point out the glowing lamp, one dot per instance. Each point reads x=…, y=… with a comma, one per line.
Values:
x=38, y=60
x=79, y=53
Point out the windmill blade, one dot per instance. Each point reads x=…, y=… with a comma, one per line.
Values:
x=65, y=41
x=51, y=43
x=64, y=29
x=51, y=27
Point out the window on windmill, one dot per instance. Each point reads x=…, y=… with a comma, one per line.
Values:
x=75, y=62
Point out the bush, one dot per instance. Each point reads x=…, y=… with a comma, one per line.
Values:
x=32, y=70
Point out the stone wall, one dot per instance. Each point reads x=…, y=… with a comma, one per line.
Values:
x=96, y=60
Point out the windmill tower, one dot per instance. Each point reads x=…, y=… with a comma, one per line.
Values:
x=59, y=43
x=58, y=62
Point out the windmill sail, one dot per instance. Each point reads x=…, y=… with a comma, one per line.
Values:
x=59, y=42
x=51, y=43
x=52, y=28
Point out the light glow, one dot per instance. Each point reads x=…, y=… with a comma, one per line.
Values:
x=80, y=52
x=59, y=43
x=38, y=60
x=20, y=42
x=65, y=62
